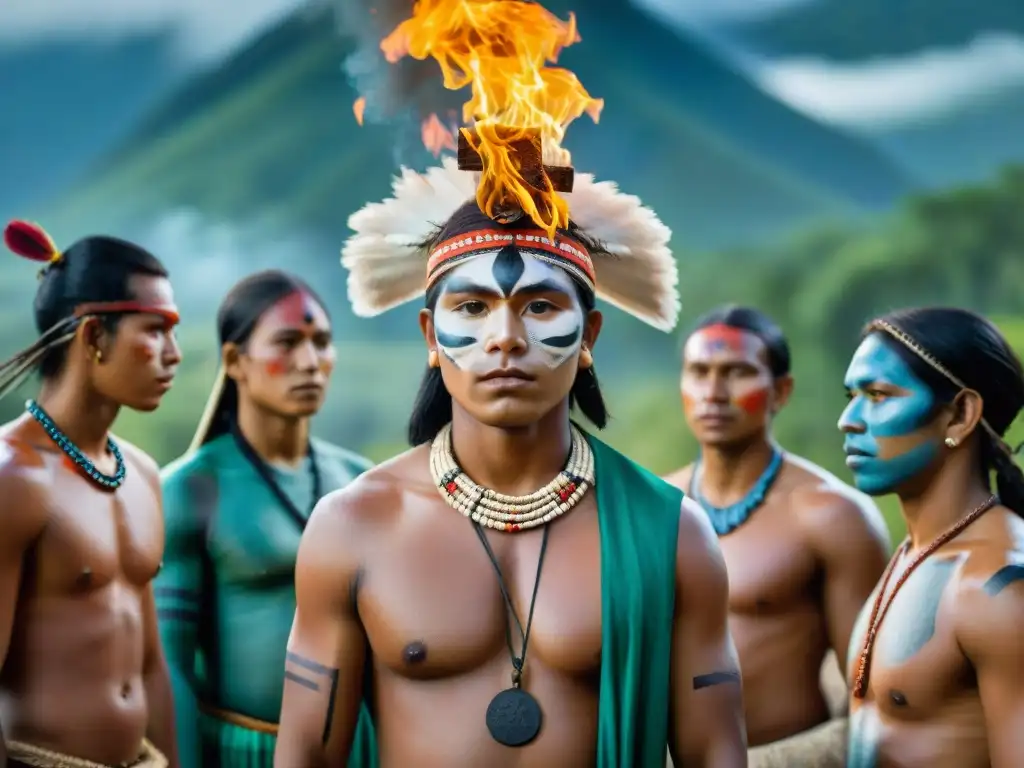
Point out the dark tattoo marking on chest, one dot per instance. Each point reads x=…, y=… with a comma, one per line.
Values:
x=327, y=674
x=715, y=678
x=1003, y=578
x=508, y=268
x=910, y=623
x=415, y=652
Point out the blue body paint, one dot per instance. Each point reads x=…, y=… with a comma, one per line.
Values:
x=868, y=423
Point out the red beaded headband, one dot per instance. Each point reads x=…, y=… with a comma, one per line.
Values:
x=565, y=252
x=166, y=311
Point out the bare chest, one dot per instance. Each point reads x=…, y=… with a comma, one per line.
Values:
x=94, y=537
x=770, y=570
x=916, y=665
x=432, y=603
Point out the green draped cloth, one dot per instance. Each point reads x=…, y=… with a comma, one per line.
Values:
x=638, y=514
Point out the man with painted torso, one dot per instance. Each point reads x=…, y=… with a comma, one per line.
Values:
x=936, y=665
x=236, y=505
x=511, y=591
x=83, y=681
x=803, y=550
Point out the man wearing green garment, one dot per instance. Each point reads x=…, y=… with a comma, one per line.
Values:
x=511, y=591
x=235, y=507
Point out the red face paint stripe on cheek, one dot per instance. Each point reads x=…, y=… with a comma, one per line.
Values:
x=753, y=402
x=276, y=367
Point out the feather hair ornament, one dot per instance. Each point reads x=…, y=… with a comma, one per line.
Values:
x=386, y=257
x=31, y=242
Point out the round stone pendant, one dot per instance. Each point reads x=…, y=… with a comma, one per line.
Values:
x=514, y=717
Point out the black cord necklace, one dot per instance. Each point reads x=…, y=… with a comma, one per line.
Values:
x=514, y=717
x=267, y=476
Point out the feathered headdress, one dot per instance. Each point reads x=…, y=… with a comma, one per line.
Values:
x=393, y=256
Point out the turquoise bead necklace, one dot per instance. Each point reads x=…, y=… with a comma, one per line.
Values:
x=81, y=461
x=727, y=519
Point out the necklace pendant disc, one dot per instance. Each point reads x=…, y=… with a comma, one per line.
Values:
x=514, y=718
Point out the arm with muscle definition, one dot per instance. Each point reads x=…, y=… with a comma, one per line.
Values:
x=989, y=617
x=178, y=592
x=707, y=728
x=23, y=521
x=324, y=665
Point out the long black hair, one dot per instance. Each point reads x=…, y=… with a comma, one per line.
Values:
x=974, y=351
x=432, y=408
x=237, y=318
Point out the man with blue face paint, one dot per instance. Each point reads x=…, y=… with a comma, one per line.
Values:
x=936, y=666
x=409, y=584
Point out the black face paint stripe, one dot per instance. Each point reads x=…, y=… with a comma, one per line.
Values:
x=452, y=341
x=564, y=342
x=508, y=268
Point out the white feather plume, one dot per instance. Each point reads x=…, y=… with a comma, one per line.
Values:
x=387, y=263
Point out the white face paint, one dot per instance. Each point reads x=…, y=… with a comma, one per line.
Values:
x=466, y=330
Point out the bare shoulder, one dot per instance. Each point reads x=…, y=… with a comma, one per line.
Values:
x=989, y=592
x=367, y=507
x=700, y=567
x=23, y=491
x=680, y=478
x=830, y=510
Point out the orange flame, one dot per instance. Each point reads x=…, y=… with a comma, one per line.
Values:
x=436, y=137
x=359, y=109
x=501, y=48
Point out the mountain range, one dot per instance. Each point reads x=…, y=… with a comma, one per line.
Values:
x=269, y=136
x=967, y=142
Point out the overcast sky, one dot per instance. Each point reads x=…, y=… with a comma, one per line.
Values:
x=866, y=94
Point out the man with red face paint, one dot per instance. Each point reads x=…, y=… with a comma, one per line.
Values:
x=83, y=680
x=803, y=550
x=237, y=504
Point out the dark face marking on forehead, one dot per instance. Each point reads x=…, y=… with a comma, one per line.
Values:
x=565, y=341
x=508, y=269
x=452, y=341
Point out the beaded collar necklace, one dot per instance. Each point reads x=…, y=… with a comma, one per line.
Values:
x=727, y=519
x=82, y=463
x=512, y=513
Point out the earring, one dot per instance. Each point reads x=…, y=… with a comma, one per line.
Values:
x=98, y=355
x=951, y=443
x=586, y=357
x=432, y=360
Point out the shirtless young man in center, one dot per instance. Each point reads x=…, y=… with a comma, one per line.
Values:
x=936, y=664
x=803, y=549
x=83, y=680
x=413, y=582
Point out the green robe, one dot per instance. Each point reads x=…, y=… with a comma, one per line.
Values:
x=226, y=595
x=638, y=515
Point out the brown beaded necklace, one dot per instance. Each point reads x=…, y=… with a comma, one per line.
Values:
x=878, y=610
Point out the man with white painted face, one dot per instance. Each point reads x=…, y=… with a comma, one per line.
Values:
x=511, y=591
x=802, y=548
x=936, y=665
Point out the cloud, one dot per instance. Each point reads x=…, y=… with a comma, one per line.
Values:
x=203, y=28
x=705, y=11
x=881, y=93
